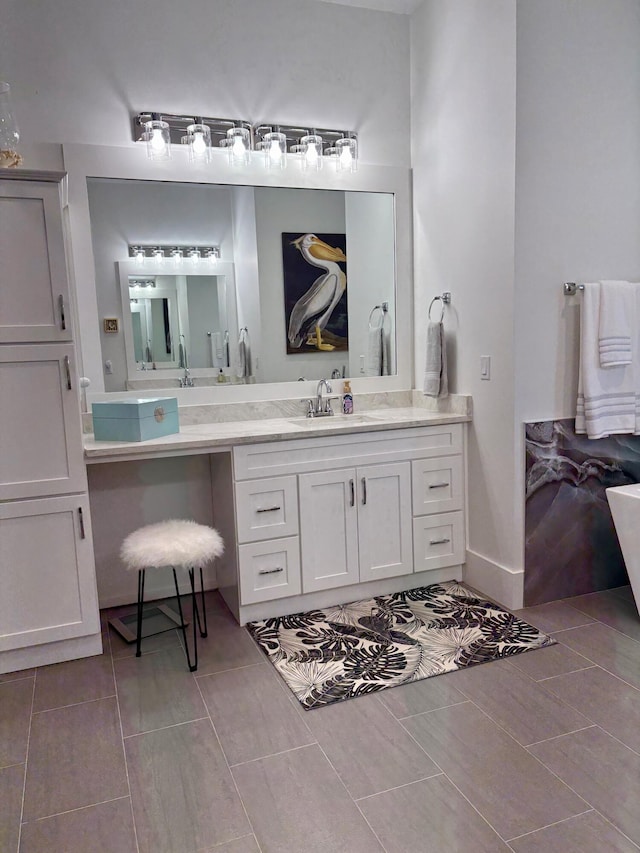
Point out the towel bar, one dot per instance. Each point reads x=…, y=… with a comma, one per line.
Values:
x=570, y=288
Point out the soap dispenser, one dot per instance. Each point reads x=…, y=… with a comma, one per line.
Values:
x=347, y=398
x=221, y=377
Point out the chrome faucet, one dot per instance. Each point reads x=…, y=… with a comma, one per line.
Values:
x=323, y=405
x=186, y=381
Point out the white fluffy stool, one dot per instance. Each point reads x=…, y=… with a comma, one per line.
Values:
x=178, y=544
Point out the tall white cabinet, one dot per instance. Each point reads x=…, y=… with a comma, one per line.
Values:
x=48, y=605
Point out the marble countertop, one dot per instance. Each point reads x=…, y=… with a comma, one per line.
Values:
x=223, y=435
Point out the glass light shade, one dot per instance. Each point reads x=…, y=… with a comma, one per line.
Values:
x=238, y=144
x=9, y=133
x=157, y=254
x=274, y=145
x=193, y=254
x=210, y=254
x=346, y=154
x=158, y=139
x=311, y=146
x=176, y=254
x=137, y=253
x=199, y=141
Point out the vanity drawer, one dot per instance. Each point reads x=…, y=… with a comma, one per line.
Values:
x=438, y=541
x=269, y=570
x=267, y=509
x=437, y=485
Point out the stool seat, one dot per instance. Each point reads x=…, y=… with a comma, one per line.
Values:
x=175, y=543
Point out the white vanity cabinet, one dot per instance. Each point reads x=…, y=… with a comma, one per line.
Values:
x=48, y=606
x=326, y=519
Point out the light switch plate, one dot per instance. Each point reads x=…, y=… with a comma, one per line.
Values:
x=485, y=367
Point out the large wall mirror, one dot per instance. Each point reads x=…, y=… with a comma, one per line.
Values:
x=311, y=282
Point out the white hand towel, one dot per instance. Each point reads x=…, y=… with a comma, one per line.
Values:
x=373, y=365
x=386, y=352
x=435, y=373
x=607, y=399
x=617, y=313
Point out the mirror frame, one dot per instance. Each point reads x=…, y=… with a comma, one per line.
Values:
x=130, y=163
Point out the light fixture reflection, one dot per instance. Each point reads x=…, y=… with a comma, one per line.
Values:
x=274, y=145
x=238, y=143
x=311, y=151
x=346, y=154
x=198, y=139
x=158, y=138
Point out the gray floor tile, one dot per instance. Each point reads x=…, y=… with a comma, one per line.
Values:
x=94, y=829
x=554, y=616
x=587, y=833
x=74, y=681
x=17, y=675
x=610, y=649
x=296, y=802
x=228, y=646
x=11, y=786
x=499, y=777
x=347, y=731
x=623, y=592
x=15, y=713
x=248, y=844
x=518, y=704
x=252, y=714
x=75, y=759
x=607, y=701
x=419, y=696
x=183, y=795
x=549, y=661
x=612, y=610
x=432, y=809
x=156, y=690
x=602, y=770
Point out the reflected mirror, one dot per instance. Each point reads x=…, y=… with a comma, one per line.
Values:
x=298, y=292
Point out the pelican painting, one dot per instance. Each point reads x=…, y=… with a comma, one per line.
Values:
x=316, y=305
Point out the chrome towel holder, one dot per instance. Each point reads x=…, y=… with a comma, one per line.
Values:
x=445, y=299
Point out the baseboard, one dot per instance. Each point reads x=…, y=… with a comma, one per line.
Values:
x=506, y=586
x=47, y=653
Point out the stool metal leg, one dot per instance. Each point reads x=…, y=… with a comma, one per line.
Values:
x=140, y=603
x=203, y=631
x=192, y=667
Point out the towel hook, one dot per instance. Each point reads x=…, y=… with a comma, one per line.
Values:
x=445, y=299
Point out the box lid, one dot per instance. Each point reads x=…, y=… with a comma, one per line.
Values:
x=134, y=408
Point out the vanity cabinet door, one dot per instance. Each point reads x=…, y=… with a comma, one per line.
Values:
x=48, y=585
x=40, y=422
x=328, y=529
x=384, y=520
x=34, y=296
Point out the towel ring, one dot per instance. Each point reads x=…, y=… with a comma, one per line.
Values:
x=436, y=299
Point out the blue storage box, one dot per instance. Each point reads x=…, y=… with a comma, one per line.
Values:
x=135, y=420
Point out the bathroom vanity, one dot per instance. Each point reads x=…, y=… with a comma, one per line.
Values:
x=323, y=511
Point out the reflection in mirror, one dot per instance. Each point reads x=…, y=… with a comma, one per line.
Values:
x=236, y=314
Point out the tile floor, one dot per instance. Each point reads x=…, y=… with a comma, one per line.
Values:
x=538, y=753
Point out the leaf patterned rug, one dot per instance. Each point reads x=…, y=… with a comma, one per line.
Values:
x=349, y=650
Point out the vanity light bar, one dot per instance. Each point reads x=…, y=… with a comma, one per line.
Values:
x=174, y=253
x=142, y=282
x=275, y=140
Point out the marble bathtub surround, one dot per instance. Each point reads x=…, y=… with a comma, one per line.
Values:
x=571, y=547
x=455, y=404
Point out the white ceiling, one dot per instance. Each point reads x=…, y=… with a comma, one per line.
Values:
x=401, y=7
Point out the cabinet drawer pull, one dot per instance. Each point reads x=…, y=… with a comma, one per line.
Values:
x=67, y=370
x=271, y=571
x=63, y=321
x=442, y=541
x=438, y=485
x=269, y=509
x=81, y=521
x=353, y=492
x=364, y=490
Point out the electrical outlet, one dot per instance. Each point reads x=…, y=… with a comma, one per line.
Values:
x=485, y=367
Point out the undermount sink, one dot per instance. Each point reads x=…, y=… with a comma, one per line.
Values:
x=331, y=421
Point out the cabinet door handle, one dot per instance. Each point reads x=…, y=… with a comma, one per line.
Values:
x=81, y=521
x=63, y=321
x=364, y=490
x=269, y=509
x=67, y=370
x=271, y=571
x=438, y=485
x=439, y=541
x=353, y=492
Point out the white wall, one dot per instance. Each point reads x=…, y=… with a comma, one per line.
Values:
x=463, y=90
x=80, y=68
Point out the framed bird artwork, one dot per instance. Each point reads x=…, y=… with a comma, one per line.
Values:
x=315, y=292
